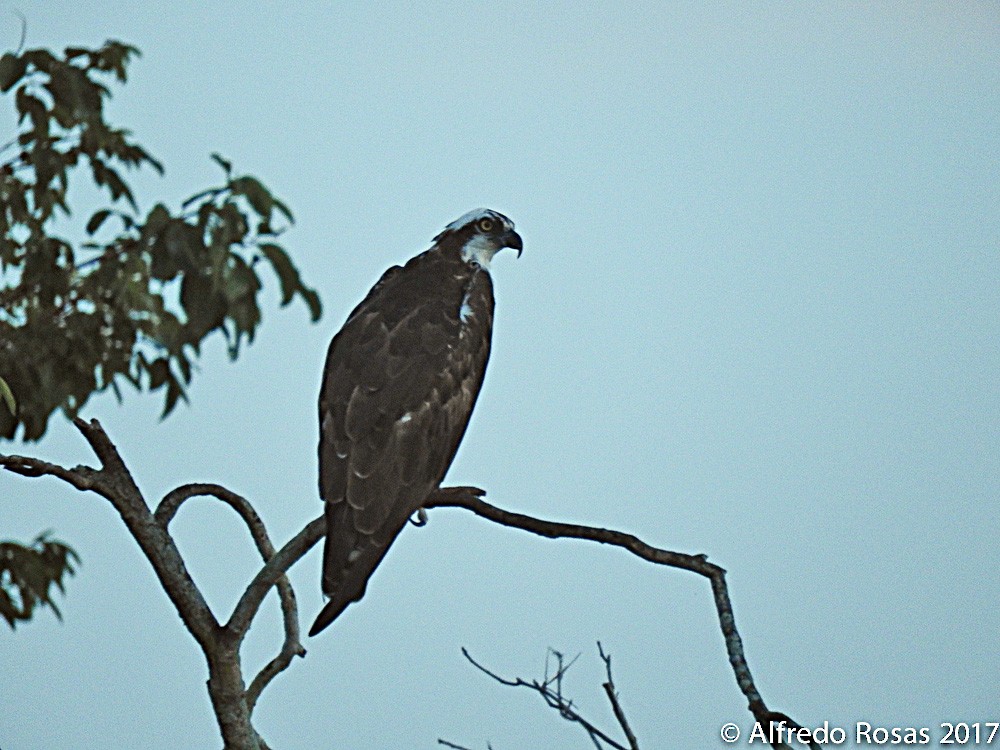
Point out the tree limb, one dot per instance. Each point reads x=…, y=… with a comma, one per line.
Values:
x=81, y=478
x=221, y=643
x=114, y=482
x=470, y=498
x=292, y=646
x=268, y=576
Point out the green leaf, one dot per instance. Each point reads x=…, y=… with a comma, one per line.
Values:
x=31, y=106
x=144, y=155
x=70, y=88
x=115, y=184
x=97, y=219
x=291, y=281
x=113, y=57
x=213, y=192
x=42, y=59
x=12, y=68
x=159, y=373
x=184, y=365
x=156, y=220
x=72, y=53
x=175, y=391
x=246, y=316
x=27, y=574
x=7, y=396
x=284, y=210
x=312, y=301
x=204, y=306
x=152, y=290
x=241, y=282
x=227, y=166
x=288, y=275
x=259, y=197
x=8, y=611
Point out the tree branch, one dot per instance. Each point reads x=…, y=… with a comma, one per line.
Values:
x=172, y=501
x=82, y=478
x=609, y=688
x=221, y=643
x=292, y=646
x=550, y=688
x=114, y=482
x=470, y=498
x=268, y=576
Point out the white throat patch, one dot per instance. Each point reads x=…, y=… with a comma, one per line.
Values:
x=479, y=249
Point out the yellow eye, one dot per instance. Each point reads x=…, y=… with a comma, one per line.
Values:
x=486, y=225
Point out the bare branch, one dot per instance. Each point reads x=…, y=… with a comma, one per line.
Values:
x=221, y=644
x=115, y=483
x=470, y=498
x=173, y=500
x=460, y=747
x=269, y=575
x=550, y=688
x=292, y=646
x=609, y=688
x=100, y=443
x=82, y=478
x=289, y=650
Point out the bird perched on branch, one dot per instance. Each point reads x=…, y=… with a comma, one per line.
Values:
x=400, y=382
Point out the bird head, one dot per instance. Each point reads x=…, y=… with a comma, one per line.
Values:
x=480, y=234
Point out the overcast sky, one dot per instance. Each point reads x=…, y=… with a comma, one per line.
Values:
x=756, y=317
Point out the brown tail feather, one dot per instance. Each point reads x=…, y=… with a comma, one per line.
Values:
x=345, y=579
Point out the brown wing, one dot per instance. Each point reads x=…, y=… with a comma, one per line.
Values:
x=401, y=379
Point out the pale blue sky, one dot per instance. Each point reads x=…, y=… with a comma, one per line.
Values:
x=756, y=317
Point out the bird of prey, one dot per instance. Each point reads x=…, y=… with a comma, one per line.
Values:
x=400, y=381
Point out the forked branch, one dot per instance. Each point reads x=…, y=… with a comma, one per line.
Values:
x=550, y=687
x=234, y=703
x=292, y=646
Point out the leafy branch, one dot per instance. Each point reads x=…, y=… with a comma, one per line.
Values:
x=28, y=574
x=133, y=305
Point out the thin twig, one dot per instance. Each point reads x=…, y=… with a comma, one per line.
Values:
x=289, y=650
x=609, y=688
x=553, y=697
x=24, y=30
x=274, y=573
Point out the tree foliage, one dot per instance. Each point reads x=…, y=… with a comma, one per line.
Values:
x=136, y=301
x=27, y=575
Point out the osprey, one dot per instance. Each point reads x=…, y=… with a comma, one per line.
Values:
x=400, y=381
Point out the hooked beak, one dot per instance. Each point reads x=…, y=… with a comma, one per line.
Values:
x=513, y=240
